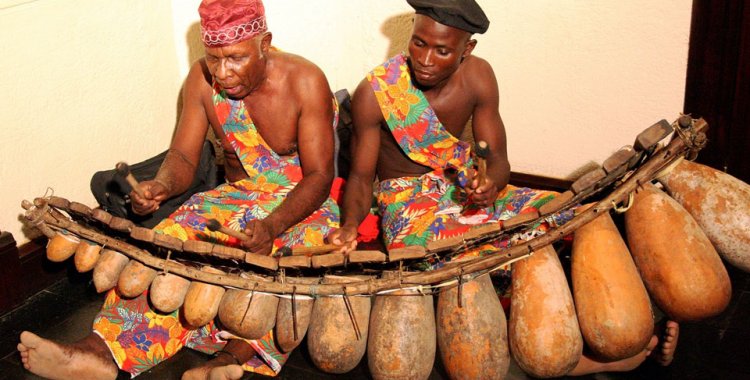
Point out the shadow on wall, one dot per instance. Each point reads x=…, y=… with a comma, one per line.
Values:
x=193, y=39
x=194, y=52
x=398, y=31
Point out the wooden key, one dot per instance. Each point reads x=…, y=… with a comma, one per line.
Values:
x=556, y=203
x=143, y=234
x=329, y=260
x=167, y=241
x=262, y=261
x=652, y=135
x=408, y=252
x=315, y=250
x=520, y=219
x=229, y=253
x=440, y=245
x=366, y=257
x=294, y=262
x=588, y=180
x=101, y=215
x=618, y=159
x=197, y=246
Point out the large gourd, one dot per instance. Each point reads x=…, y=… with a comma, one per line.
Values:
x=293, y=317
x=614, y=311
x=108, y=268
x=402, y=338
x=336, y=338
x=248, y=314
x=719, y=203
x=202, y=301
x=167, y=292
x=680, y=268
x=543, y=331
x=135, y=279
x=472, y=336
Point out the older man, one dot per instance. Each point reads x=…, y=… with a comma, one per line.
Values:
x=408, y=114
x=273, y=113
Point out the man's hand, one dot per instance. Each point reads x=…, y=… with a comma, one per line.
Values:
x=153, y=194
x=262, y=235
x=483, y=195
x=346, y=237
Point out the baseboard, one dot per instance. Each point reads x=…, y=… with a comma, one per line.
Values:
x=24, y=271
x=539, y=182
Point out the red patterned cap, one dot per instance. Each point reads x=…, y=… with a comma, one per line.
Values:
x=227, y=22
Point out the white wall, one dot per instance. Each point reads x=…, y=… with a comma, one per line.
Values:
x=87, y=83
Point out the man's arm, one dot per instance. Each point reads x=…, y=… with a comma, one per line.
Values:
x=488, y=126
x=367, y=119
x=178, y=169
x=315, y=146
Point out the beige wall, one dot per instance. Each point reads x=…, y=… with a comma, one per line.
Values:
x=86, y=83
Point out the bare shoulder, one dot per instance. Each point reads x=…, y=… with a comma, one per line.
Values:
x=303, y=75
x=199, y=79
x=479, y=76
x=365, y=108
x=476, y=66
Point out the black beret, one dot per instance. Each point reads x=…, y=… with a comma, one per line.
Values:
x=461, y=14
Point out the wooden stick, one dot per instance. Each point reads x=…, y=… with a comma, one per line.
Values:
x=316, y=250
x=214, y=225
x=123, y=169
x=481, y=151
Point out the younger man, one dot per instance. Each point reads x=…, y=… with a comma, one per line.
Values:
x=408, y=114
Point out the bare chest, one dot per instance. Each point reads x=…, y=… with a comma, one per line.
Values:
x=276, y=124
x=453, y=107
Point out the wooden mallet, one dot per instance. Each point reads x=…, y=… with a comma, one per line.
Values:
x=214, y=225
x=482, y=150
x=123, y=169
x=314, y=250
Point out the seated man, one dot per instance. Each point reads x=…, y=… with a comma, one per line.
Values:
x=274, y=113
x=408, y=114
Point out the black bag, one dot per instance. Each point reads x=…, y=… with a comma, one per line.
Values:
x=111, y=190
x=343, y=135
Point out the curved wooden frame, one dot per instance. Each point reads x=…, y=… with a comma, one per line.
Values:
x=42, y=217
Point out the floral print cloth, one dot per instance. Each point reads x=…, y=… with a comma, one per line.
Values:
x=140, y=337
x=270, y=178
x=417, y=210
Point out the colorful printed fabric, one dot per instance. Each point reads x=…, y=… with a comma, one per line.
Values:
x=140, y=337
x=417, y=210
x=270, y=178
x=413, y=122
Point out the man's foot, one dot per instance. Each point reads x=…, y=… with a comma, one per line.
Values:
x=227, y=372
x=214, y=371
x=667, y=344
x=52, y=360
x=588, y=365
x=224, y=366
x=631, y=363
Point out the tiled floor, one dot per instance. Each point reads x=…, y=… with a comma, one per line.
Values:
x=715, y=348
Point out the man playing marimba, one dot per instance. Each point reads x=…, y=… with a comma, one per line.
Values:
x=408, y=114
x=273, y=113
